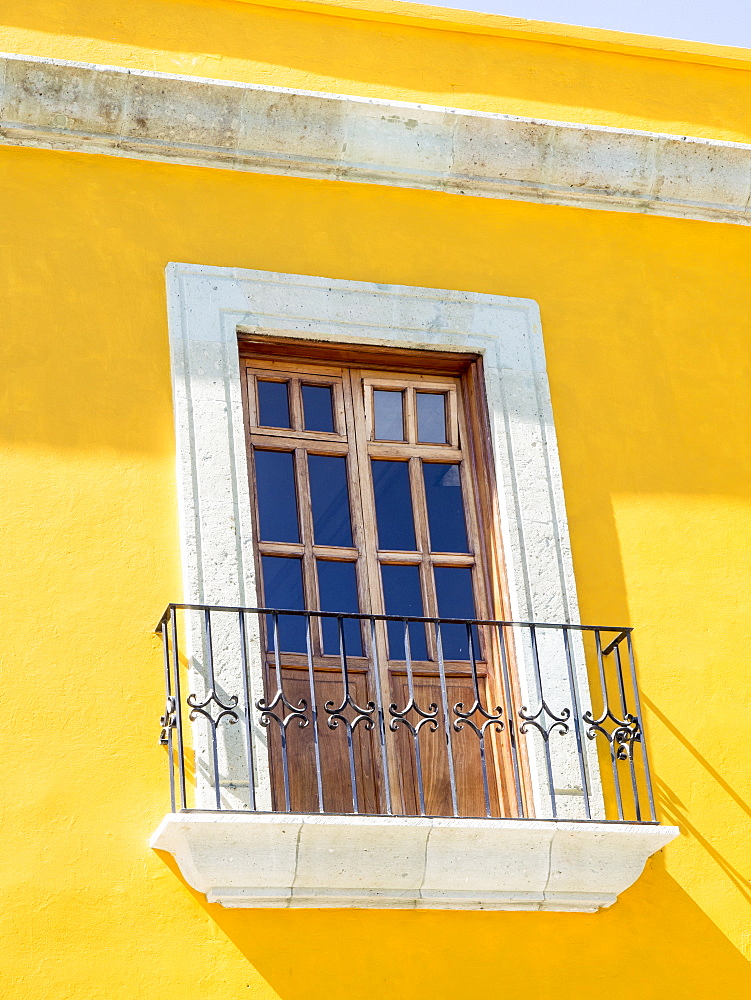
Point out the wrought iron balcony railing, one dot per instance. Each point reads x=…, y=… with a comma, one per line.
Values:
x=312, y=712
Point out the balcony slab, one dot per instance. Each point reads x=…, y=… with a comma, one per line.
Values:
x=294, y=860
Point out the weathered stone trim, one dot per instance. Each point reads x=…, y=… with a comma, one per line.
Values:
x=54, y=104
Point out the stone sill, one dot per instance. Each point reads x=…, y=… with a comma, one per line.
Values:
x=290, y=860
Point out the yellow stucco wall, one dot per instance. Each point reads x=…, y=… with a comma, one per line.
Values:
x=646, y=325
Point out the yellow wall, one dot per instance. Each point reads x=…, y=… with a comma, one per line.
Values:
x=646, y=325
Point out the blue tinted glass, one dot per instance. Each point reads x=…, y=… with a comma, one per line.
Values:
x=329, y=498
x=388, y=407
x=402, y=596
x=277, y=497
x=443, y=492
x=282, y=589
x=453, y=586
x=393, y=503
x=431, y=417
x=317, y=409
x=273, y=404
x=337, y=588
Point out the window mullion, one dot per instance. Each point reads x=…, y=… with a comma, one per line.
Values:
x=305, y=516
x=420, y=513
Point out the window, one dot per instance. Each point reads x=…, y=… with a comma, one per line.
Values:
x=368, y=497
x=252, y=857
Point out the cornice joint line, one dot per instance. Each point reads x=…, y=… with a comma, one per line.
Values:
x=79, y=107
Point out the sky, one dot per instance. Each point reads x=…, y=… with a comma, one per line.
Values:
x=724, y=22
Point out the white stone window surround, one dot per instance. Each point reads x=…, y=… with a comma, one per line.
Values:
x=207, y=307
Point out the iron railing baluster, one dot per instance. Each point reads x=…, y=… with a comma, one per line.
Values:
x=544, y=726
x=539, y=719
x=314, y=713
x=282, y=727
x=336, y=714
x=400, y=717
x=381, y=718
x=348, y=726
x=178, y=711
x=606, y=713
x=247, y=708
x=448, y=727
x=281, y=710
x=510, y=722
x=626, y=717
x=583, y=774
x=415, y=730
x=637, y=703
x=168, y=719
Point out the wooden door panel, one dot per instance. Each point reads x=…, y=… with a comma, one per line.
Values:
x=434, y=758
x=333, y=749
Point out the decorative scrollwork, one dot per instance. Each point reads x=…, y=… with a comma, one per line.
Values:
x=168, y=721
x=538, y=720
x=622, y=737
x=289, y=712
x=225, y=711
x=464, y=718
x=362, y=714
x=399, y=717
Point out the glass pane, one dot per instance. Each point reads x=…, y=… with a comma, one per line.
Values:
x=277, y=496
x=443, y=492
x=273, y=404
x=402, y=596
x=431, y=417
x=317, y=408
x=388, y=409
x=453, y=586
x=393, y=503
x=337, y=588
x=329, y=498
x=282, y=589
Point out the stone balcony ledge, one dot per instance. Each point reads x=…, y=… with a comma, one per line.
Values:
x=295, y=860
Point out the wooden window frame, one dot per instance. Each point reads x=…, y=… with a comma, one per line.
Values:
x=283, y=354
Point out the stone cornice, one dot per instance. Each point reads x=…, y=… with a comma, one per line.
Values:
x=54, y=104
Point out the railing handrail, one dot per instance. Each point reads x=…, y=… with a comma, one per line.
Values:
x=366, y=616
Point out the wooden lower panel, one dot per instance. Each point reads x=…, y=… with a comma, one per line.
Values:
x=434, y=756
x=333, y=747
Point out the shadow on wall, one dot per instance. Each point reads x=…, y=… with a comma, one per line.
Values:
x=654, y=943
x=673, y=810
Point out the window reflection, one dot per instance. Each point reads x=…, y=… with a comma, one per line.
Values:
x=453, y=586
x=443, y=493
x=388, y=412
x=282, y=588
x=318, y=412
x=337, y=588
x=277, y=496
x=329, y=498
x=273, y=404
x=393, y=503
x=431, y=417
x=402, y=596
